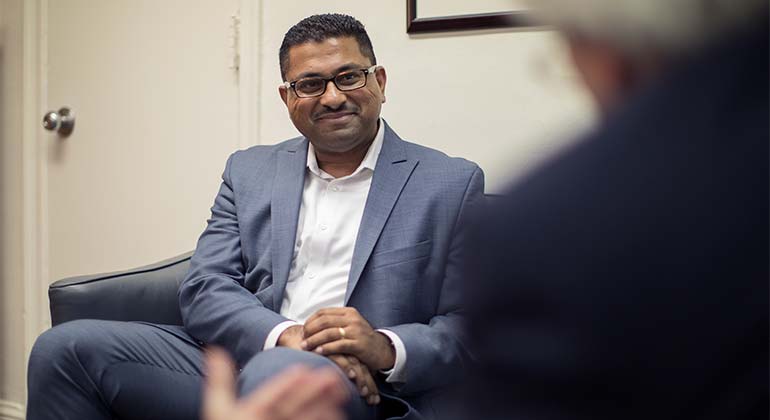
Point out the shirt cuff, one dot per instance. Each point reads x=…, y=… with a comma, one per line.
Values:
x=275, y=333
x=397, y=375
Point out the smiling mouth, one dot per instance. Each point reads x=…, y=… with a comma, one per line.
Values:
x=331, y=116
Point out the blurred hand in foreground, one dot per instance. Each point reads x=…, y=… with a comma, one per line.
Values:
x=297, y=393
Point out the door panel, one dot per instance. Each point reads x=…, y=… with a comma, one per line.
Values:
x=156, y=107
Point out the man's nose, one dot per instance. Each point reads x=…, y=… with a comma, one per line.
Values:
x=333, y=97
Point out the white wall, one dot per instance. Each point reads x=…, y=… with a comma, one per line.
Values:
x=504, y=99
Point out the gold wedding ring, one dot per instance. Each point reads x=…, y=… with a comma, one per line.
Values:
x=342, y=333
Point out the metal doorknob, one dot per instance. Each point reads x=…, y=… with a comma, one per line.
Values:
x=62, y=121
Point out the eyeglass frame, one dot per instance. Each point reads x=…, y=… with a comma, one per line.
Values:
x=367, y=71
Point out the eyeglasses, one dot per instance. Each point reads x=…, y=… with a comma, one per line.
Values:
x=309, y=87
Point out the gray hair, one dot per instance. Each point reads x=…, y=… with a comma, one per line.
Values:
x=638, y=27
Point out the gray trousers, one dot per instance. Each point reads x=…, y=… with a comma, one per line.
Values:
x=90, y=369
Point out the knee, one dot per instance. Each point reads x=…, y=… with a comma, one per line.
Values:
x=51, y=355
x=53, y=343
x=62, y=344
x=267, y=364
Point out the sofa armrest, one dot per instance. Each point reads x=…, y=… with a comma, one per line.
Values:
x=146, y=293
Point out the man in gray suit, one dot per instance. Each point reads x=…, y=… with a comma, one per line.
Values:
x=340, y=247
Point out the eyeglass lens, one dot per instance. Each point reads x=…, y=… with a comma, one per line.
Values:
x=314, y=86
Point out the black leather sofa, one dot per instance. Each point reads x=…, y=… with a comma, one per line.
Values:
x=141, y=294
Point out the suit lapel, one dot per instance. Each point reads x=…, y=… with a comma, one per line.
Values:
x=391, y=173
x=284, y=212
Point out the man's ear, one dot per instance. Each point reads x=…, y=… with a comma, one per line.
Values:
x=284, y=94
x=382, y=79
x=606, y=72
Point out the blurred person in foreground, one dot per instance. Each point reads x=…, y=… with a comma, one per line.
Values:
x=298, y=393
x=628, y=277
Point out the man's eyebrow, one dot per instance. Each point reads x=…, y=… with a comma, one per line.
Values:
x=346, y=67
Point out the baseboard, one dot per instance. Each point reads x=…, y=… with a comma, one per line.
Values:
x=10, y=410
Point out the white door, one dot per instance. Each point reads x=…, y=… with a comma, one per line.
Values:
x=156, y=101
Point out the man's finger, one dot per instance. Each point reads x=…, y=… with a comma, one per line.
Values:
x=365, y=383
x=313, y=326
x=368, y=389
x=361, y=375
x=371, y=386
x=345, y=365
x=344, y=311
x=347, y=346
x=331, y=311
x=324, y=336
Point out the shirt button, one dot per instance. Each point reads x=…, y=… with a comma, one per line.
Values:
x=335, y=188
x=311, y=276
x=323, y=227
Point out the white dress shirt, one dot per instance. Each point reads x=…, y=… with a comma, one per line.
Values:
x=329, y=218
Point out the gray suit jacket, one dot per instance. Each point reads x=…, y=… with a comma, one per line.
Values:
x=404, y=275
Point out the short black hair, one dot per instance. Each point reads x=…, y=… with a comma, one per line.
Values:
x=318, y=28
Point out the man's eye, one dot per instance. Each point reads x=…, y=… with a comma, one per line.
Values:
x=348, y=78
x=309, y=85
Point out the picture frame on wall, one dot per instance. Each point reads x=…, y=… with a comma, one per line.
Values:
x=424, y=16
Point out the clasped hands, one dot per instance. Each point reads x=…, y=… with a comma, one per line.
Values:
x=347, y=339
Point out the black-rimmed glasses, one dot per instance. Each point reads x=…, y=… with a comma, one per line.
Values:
x=309, y=87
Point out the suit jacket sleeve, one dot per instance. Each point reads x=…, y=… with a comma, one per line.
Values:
x=437, y=352
x=216, y=306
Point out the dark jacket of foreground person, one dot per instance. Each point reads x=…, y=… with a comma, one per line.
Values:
x=628, y=278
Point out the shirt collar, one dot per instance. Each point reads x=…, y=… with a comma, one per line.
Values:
x=369, y=161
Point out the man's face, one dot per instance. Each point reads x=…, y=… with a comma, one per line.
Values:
x=337, y=121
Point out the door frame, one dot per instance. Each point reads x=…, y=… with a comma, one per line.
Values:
x=34, y=173
x=35, y=228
